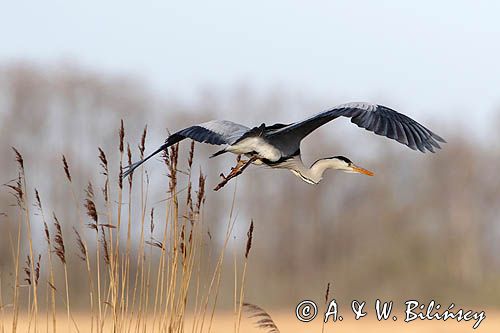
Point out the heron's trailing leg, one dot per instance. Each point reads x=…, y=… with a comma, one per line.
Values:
x=235, y=171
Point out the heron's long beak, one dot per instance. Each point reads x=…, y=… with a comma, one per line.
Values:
x=357, y=169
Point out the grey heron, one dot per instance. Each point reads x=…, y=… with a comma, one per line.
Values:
x=278, y=145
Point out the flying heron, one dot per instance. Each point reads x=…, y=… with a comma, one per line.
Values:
x=278, y=145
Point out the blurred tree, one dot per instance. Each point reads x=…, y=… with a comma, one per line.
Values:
x=425, y=226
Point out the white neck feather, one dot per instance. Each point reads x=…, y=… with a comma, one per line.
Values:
x=314, y=174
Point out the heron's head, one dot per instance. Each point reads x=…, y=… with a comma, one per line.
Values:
x=344, y=164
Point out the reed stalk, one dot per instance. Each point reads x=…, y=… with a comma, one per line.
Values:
x=38, y=204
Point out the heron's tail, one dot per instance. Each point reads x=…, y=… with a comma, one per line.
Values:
x=130, y=168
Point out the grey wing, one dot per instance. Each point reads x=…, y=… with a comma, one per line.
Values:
x=215, y=132
x=378, y=119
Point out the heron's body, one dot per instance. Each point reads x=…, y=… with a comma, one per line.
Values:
x=278, y=145
x=256, y=145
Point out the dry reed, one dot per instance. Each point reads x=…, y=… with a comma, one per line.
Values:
x=262, y=319
x=151, y=293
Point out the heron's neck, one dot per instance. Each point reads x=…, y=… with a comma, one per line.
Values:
x=313, y=174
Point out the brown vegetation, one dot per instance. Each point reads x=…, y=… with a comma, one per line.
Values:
x=151, y=297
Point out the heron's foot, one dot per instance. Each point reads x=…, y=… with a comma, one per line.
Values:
x=235, y=171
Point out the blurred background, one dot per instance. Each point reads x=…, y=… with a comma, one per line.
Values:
x=427, y=226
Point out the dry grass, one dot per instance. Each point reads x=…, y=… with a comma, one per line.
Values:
x=135, y=284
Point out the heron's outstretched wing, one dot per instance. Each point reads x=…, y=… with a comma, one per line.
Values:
x=215, y=132
x=375, y=118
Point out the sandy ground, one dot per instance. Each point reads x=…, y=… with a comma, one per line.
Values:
x=224, y=322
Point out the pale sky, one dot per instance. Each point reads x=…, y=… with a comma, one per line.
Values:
x=430, y=58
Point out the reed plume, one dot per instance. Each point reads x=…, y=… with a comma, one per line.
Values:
x=200, y=198
x=17, y=190
x=249, y=240
x=66, y=168
x=37, y=269
x=81, y=247
x=263, y=319
x=247, y=251
x=103, y=161
x=90, y=206
x=105, y=246
x=142, y=146
x=105, y=172
x=27, y=270
x=19, y=159
x=121, y=136
x=59, y=249
x=129, y=159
